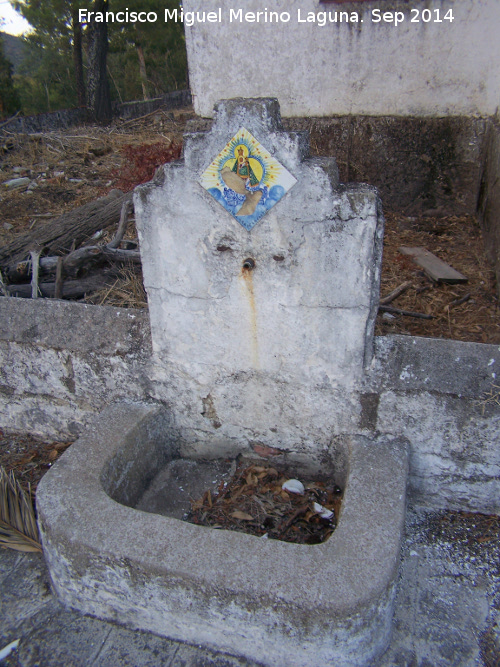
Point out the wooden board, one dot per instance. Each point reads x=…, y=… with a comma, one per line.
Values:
x=434, y=267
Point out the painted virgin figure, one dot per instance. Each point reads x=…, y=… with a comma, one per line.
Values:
x=242, y=179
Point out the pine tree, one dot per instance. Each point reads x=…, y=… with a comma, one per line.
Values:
x=155, y=51
x=9, y=99
x=56, y=27
x=99, y=98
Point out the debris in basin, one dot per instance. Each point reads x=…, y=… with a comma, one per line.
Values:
x=323, y=511
x=258, y=500
x=293, y=486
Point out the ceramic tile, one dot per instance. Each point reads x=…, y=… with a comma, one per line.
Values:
x=246, y=179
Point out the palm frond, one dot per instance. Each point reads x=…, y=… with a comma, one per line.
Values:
x=18, y=529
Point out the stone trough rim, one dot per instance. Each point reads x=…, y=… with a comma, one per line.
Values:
x=66, y=515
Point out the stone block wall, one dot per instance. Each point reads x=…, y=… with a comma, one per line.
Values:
x=64, y=118
x=421, y=166
x=62, y=363
x=443, y=396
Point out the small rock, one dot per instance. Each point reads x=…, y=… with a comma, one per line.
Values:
x=8, y=146
x=323, y=511
x=7, y=226
x=293, y=486
x=388, y=316
x=100, y=149
x=17, y=183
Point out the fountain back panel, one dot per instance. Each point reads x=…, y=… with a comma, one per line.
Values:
x=261, y=328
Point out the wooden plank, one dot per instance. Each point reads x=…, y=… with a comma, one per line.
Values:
x=434, y=267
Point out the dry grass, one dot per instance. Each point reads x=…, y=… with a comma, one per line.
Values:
x=74, y=166
x=18, y=529
x=126, y=292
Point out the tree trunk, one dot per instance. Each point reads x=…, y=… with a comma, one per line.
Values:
x=99, y=100
x=142, y=71
x=77, y=58
x=70, y=228
x=48, y=96
x=71, y=289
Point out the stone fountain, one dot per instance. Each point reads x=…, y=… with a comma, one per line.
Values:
x=262, y=273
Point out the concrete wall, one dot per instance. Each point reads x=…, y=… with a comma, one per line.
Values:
x=61, y=363
x=64, y=118
x=444, y=396
x=287, y=339
x=379, y=69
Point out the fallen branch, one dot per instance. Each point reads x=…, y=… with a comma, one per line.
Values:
x=72, y=263
x=58, y=285
x=120, y=255
x=3, y=286
x=35, y=257
x=406, y=313
x=395, y=293
x=458, y=302
x=76, y=226
x=122, y=225
x=71, y=289
x=134, y=120
x=10, y=119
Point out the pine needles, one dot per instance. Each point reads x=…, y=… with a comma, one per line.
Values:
x=18, y=529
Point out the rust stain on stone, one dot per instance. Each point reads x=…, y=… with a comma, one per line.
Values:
x=246, y=273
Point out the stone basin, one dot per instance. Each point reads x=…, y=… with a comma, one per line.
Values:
x=270, y=601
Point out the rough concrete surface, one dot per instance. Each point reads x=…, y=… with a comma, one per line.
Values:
x=281, y=604
x=446, y=612
x=286, y=340
x=429, y=166
x=350, y=67
x=420, y=165
x=62, y=362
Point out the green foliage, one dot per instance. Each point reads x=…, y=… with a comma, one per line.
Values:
x=51, y=19
x=145, y=59
x=46, y=79
x=163, y=47
x=9, y=99
x=13, y=48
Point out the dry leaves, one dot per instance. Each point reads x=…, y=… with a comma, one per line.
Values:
x=254, y=502
x=28, y=457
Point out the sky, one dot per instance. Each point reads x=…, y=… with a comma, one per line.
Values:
x=10, y=20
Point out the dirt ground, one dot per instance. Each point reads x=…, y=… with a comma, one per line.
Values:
x=467, y=311
x=72, y=167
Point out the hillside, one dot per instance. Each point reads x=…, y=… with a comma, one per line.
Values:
x=13, y=48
